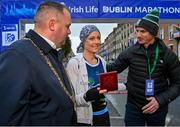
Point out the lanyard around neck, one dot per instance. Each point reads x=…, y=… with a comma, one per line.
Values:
x=151, y=70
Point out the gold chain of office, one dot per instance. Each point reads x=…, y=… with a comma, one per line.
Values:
x=61, y=84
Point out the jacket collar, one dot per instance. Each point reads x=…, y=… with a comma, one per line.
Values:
x=138, y=47
x=39, y=41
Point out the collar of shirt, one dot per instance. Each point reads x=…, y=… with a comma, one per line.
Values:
x=50, y=43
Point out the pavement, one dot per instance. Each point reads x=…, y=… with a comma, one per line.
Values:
x=117, y=112
x=173, y=117
x=116, y=103
x=115, y=118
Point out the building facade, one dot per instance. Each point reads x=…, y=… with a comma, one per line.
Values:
x=123, y=36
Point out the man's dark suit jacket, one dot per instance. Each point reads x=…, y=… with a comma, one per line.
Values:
x=30, y=93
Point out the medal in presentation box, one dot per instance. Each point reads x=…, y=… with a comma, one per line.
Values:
x=109, y=81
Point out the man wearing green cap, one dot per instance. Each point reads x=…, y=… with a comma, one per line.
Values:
x=154, y=75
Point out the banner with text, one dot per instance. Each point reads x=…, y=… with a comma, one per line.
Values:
x=13, y=10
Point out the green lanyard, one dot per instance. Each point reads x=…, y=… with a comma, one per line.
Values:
x=154, y=62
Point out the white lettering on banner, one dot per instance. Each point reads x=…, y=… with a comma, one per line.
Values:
x=91, y=9
x=162, y=9
x=86, y=9
x=116, y=9
x=9, y=34
x=75, y=9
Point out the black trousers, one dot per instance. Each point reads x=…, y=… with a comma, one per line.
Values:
x=135, y=117
x=101, y=120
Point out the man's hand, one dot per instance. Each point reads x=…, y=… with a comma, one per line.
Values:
x=151, y=107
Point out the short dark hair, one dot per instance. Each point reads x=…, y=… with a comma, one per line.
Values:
x=50, y=4
x=57, y=5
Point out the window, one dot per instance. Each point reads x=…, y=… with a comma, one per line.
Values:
x=170, y=31
x=161, y=33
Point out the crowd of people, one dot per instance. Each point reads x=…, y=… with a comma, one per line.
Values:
x=38, y=88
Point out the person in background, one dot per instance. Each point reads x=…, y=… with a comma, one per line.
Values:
x=154, y=75
x=67, y=51
x=34, y=87
x=83, y=70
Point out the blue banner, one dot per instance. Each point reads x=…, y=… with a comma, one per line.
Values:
x=13, y=10
x=95, y=8
x=137, y=9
